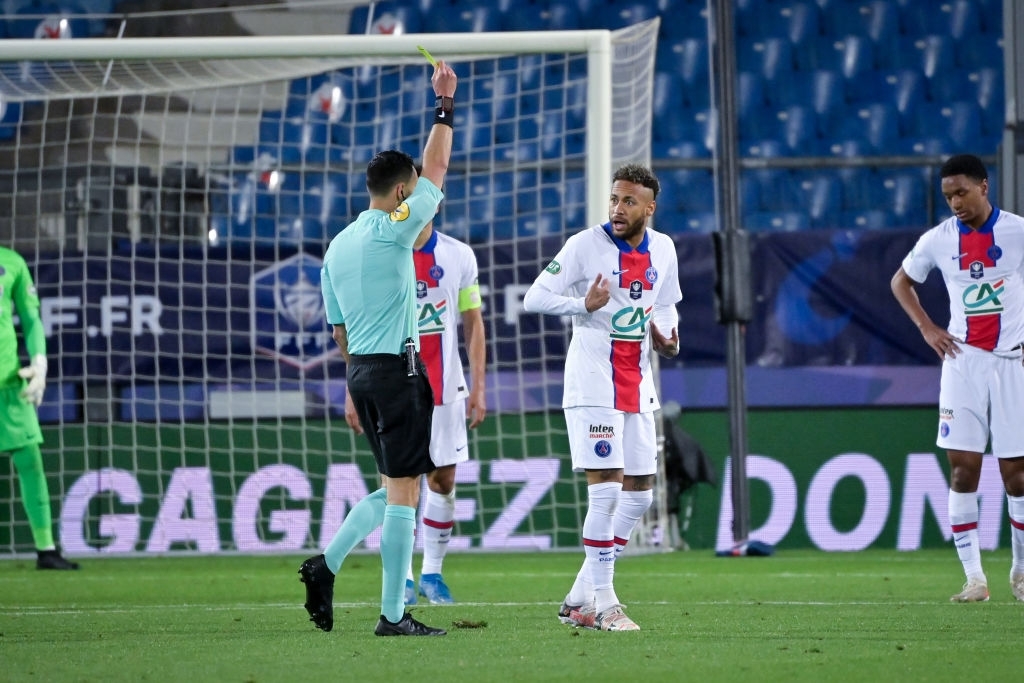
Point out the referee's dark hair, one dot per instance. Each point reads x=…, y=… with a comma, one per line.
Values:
x=639, y=174
x=387, y=169
x=966, y=165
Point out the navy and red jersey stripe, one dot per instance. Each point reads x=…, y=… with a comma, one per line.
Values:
x=431, y=349
x=634, y=266
x=979, y=246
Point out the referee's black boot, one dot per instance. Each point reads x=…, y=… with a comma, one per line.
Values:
x=52, y=559
x=319, y=592
x=406, y=626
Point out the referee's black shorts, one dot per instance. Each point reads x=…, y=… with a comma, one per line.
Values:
x=395, y=411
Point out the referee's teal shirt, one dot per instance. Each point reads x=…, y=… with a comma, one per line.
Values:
x=368, y=278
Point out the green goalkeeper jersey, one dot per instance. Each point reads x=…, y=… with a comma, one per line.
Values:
x=17, y=295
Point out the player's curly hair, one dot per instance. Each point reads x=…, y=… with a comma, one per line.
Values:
x=966, y=165
x=387, y=169
x=639, y=174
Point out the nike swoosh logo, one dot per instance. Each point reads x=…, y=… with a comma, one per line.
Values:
x=961, y=538
x=604, y=552
x=620, y=272
x=460, y=448
x=959, y=256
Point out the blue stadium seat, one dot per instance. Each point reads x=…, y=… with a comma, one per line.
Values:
x=828, y=98
x=964, y=123
x=862, y=188
x=847, y=147
x=10, y=119
x=877, y=124
x=24, y=25
x=776, y=221
x=932, y=145
x=799, y=130
x=820, y=193
x=570, y=100
x=906, y=89
x=958, y=19
x=562, y=15
x=866, y=219
x=682, y=18
x=538, y=225
x=776, y=189
x=984, y=51
x=908, y=196
x=750, y=100
x=667, y=104
x=688, y=58
x=460, y=18
x=697, y=222
x=882, y=22
x=772, y=58
x=856, y=56
x=686, y=189
x=701, y=222
x=325, y=200
x=680, y=149
x=991, y=98
x=762, y=147
x=618, y=14
x=389, y=18
x=842, y=17
x=525, y=16
x=477, y=134
x=933, y=55
x=794, y=20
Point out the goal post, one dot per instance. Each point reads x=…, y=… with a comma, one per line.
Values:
x=174, y=198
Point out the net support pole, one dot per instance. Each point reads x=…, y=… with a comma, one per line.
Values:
x=723, y=73
x=599, y=127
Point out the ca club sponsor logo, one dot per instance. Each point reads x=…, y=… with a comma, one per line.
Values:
x=630, y=323
x=287, y=313
x=983, y=298
x=430, y=317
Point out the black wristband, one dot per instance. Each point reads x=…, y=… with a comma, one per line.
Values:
x=444, y=111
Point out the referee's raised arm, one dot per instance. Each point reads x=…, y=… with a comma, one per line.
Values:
x=438, y=149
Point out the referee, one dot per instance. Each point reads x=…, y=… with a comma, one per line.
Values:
x=369, y=288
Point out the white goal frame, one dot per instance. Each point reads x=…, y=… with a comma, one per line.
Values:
x=95, y=68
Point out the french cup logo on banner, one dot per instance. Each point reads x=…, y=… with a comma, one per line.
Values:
x=287, y=315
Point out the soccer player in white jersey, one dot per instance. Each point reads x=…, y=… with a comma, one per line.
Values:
x=980, y=253
x=620, y=283
x=446, y=287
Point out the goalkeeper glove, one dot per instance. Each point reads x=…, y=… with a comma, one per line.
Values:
x=35, y=373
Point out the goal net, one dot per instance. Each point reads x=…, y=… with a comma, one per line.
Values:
x=174, y=198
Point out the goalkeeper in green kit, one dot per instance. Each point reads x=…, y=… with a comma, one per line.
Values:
x=21, y=392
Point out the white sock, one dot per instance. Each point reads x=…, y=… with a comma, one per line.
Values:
x=598, y=543
x=582, y=591
x=631, y=508
x=438, y=520
x=963, y=520
x=1015, y=506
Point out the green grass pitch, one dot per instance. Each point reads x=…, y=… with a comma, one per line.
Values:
x=796, y=616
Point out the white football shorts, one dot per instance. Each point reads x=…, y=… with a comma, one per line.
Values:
x=449, y=442
x=980, y=396
x=605, y=438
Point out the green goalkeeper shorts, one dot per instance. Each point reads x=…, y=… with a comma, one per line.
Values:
x=19, y=424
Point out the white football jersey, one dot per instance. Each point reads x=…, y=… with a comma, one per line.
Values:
x=982, y=272
x=608, y=362
x=444, y=268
